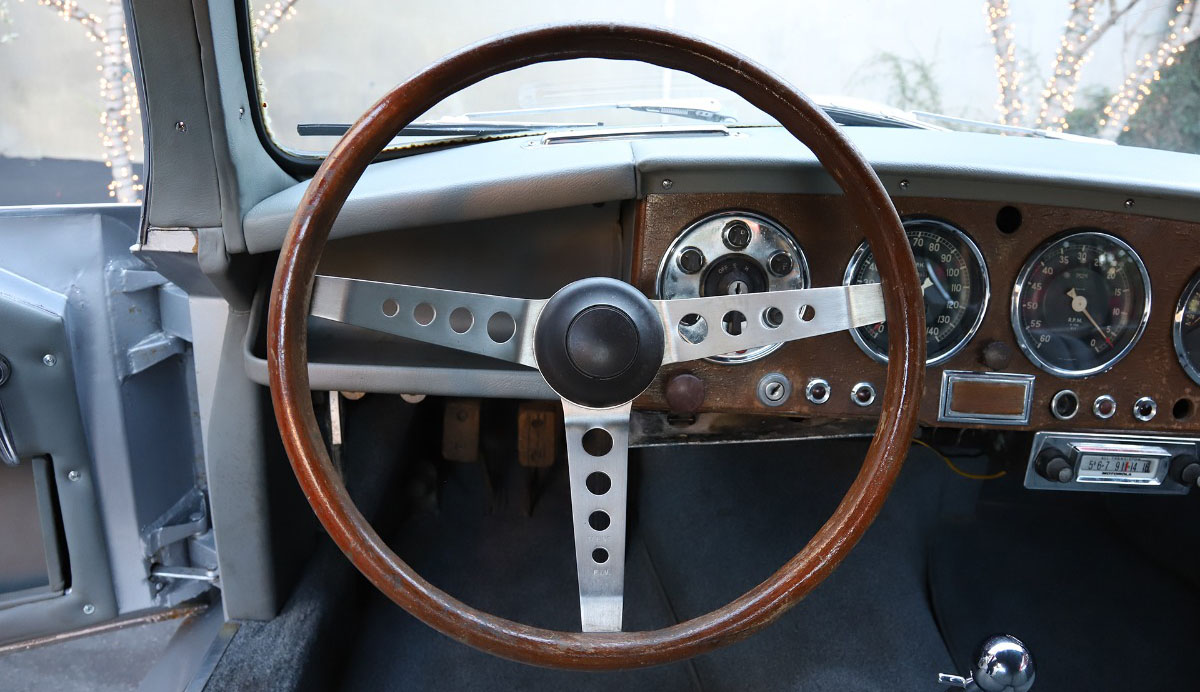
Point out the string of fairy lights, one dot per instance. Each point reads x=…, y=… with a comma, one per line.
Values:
x=1081, y=31
x=1148, y=70
x=1058, y=95
x=1008, y=69
x=121, y=113
x=268, y=19
x=118, y=92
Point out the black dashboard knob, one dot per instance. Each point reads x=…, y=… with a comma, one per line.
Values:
x=1186, y=469
x=1054, y=467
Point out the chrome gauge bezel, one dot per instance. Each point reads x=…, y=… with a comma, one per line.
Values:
x=706, y=235
x=1177, y=330
x=1023, y=339
x=863, y=250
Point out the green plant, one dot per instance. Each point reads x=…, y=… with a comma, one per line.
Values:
x=1167, y=118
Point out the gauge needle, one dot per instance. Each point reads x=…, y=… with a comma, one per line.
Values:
x=1079, y=304
x=931, y=279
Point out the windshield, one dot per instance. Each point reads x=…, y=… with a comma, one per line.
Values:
x=1115, y=70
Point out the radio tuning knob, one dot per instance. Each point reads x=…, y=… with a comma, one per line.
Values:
x=1187, y=469
x=1054, y=467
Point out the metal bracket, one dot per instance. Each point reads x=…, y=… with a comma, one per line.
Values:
x=180, y=553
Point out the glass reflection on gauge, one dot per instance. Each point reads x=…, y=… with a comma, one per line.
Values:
x=1080, y=303
x=954, y=280
x=1187, y=329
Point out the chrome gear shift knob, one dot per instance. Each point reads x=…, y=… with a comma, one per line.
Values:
x=1003, y=664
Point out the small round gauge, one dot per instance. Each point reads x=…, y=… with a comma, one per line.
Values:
x=955, y=283
x=1187, y=329
x=729, y=253
x=1080, y=303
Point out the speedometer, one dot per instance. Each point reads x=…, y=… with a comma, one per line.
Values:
x=1080, y=303
x=954, y=281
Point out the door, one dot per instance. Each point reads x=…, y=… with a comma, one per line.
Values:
x=103, y=514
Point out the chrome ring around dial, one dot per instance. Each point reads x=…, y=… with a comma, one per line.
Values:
x=957, y=290
x=1186, y=330
x=732, y=252
x=1080, y=303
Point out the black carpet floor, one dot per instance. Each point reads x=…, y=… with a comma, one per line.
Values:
x=1102, y=588
x=707, y=524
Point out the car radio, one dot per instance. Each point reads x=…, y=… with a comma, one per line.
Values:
x=1113, y=463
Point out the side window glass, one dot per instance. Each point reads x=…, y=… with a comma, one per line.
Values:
x=70, y=128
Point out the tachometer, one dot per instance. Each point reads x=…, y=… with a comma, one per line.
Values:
x=955, y=282
x=1080, y=303
x=1187, y=329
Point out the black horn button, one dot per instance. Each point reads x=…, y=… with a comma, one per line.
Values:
x=599, y=342
x=602, y=342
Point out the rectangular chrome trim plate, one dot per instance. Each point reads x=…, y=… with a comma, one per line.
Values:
x=947, y=412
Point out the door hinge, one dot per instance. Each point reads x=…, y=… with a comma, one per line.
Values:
x=181, y=556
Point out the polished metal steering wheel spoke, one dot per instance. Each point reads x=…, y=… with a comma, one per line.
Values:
x=474, y=322
x=598, y=463
x=705, y=327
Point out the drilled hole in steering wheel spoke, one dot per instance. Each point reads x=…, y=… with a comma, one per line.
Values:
x=390, y=307
x=424, y=314
x=772, y=318
x=599, y=520
x=461, y=320
x=501, y=327
x=733, y=322
x=598, y=483
x=806, y=313
x=597, y=442
x=693, y=328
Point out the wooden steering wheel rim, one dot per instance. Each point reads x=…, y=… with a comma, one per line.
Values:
x=874, y=215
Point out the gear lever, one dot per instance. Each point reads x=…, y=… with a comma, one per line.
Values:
x=1003, y=664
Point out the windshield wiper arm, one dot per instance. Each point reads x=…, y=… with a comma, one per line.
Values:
x=435, y=128
x=708, y=110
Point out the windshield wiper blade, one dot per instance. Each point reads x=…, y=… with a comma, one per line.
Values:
x=1012, y=129
x=707, y=110
x=436, y=128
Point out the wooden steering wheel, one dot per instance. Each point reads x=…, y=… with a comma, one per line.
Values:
x=598, y=343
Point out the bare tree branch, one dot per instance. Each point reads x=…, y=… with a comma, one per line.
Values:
x=1179, y=31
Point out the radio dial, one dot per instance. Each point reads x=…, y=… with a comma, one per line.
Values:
x=1053, y=466
x=1187, y=469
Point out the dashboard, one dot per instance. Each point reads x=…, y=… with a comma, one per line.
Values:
x=1060, y=277
x=1036, y=315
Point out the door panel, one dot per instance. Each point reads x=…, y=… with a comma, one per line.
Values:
x=99, y=405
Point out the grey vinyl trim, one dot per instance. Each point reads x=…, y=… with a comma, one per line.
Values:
x=233, y=428
x=181, y=172
x=246, y=172
x=478, y=181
